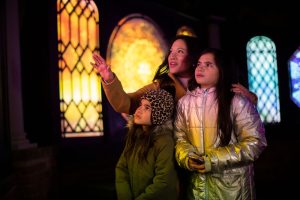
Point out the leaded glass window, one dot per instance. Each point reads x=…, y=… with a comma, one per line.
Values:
x=136, y=49
x=263, y=77
x=79, y=84
x=294, y=74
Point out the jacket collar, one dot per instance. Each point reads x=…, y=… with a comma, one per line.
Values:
x=201, y=91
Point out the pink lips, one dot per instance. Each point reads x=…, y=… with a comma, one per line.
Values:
x=172, y=64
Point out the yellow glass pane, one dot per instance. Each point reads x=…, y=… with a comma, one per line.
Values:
x=82, y=4
x=61, y=48
x=60, y=86
x=78, y=10
x=79, y=51
x=83, y=31
x=58, y=28
x=82, y=123
x=65, y=28
x=76, y=86
x=81, y=106
x=72, y=115
x=67, y=88
x=92, y=33
x=86, y=60
x=95, y=87
x=87, y=13
x=74, y=29
x=74, y=2
x=69, y=7
x=91, y=114
x=70, y=57
x=85, y=87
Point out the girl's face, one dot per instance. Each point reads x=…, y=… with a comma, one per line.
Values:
x=207, y=73
x=142, y=115
x=178, y=58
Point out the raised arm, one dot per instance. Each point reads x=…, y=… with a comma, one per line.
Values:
x=121, y=101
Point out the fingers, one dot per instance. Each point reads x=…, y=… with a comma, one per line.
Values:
x=240, y=89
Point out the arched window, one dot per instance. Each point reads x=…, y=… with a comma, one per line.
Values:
x=79, y=84
x=294, y=74
x=136, y=49
x=263, y=77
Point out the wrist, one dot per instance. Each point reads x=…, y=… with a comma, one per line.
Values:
x=109, y=79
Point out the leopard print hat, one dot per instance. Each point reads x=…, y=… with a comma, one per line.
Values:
x=162, y=105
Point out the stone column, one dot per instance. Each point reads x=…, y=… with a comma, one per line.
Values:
x=18, y=135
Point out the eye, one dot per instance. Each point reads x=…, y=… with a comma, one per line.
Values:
x=147, y=107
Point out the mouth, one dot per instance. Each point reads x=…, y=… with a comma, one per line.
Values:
x=172, y=64
x=199, y=75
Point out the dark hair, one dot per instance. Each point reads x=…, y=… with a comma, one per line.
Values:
x=193, y=48
x=145, y=139
x=223, y=94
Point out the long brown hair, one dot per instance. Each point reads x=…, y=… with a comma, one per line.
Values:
x=223, y=94
x=137, y=137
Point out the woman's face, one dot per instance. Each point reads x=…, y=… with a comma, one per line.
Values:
x=207, y=73
x=178, y=58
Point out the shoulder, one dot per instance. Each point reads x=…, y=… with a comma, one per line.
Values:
x=240, y=102
x=188, y=97
x=163, y=134
x=164, y=141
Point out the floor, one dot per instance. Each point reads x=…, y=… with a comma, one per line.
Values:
x=86, y=170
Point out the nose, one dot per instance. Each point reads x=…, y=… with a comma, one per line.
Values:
x=139, y=109
x=200, y=68
x=172, y=54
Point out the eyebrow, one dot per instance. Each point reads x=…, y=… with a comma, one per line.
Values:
x=179, y=48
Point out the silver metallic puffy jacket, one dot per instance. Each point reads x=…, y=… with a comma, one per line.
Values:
x=229, y=170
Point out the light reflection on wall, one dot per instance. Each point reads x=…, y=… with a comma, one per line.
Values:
x=136, y=49
x=79, y=85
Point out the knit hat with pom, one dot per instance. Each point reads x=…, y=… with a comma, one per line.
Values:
x=162, y=105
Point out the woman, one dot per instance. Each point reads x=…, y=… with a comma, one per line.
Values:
x=177, y=69
x=218, y=134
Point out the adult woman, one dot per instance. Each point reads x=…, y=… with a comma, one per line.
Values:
x=177, y=69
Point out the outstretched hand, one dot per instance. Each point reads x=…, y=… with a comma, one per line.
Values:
x=240, y=89
x=102, y=68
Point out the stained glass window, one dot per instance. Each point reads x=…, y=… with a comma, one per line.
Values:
x=136, y=49
x=294, y=74
x=79, y=84
x=263, y=77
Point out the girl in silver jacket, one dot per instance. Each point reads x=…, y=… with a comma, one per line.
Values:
x=218, y=134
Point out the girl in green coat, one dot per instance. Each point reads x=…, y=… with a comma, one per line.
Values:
x=146, y=168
